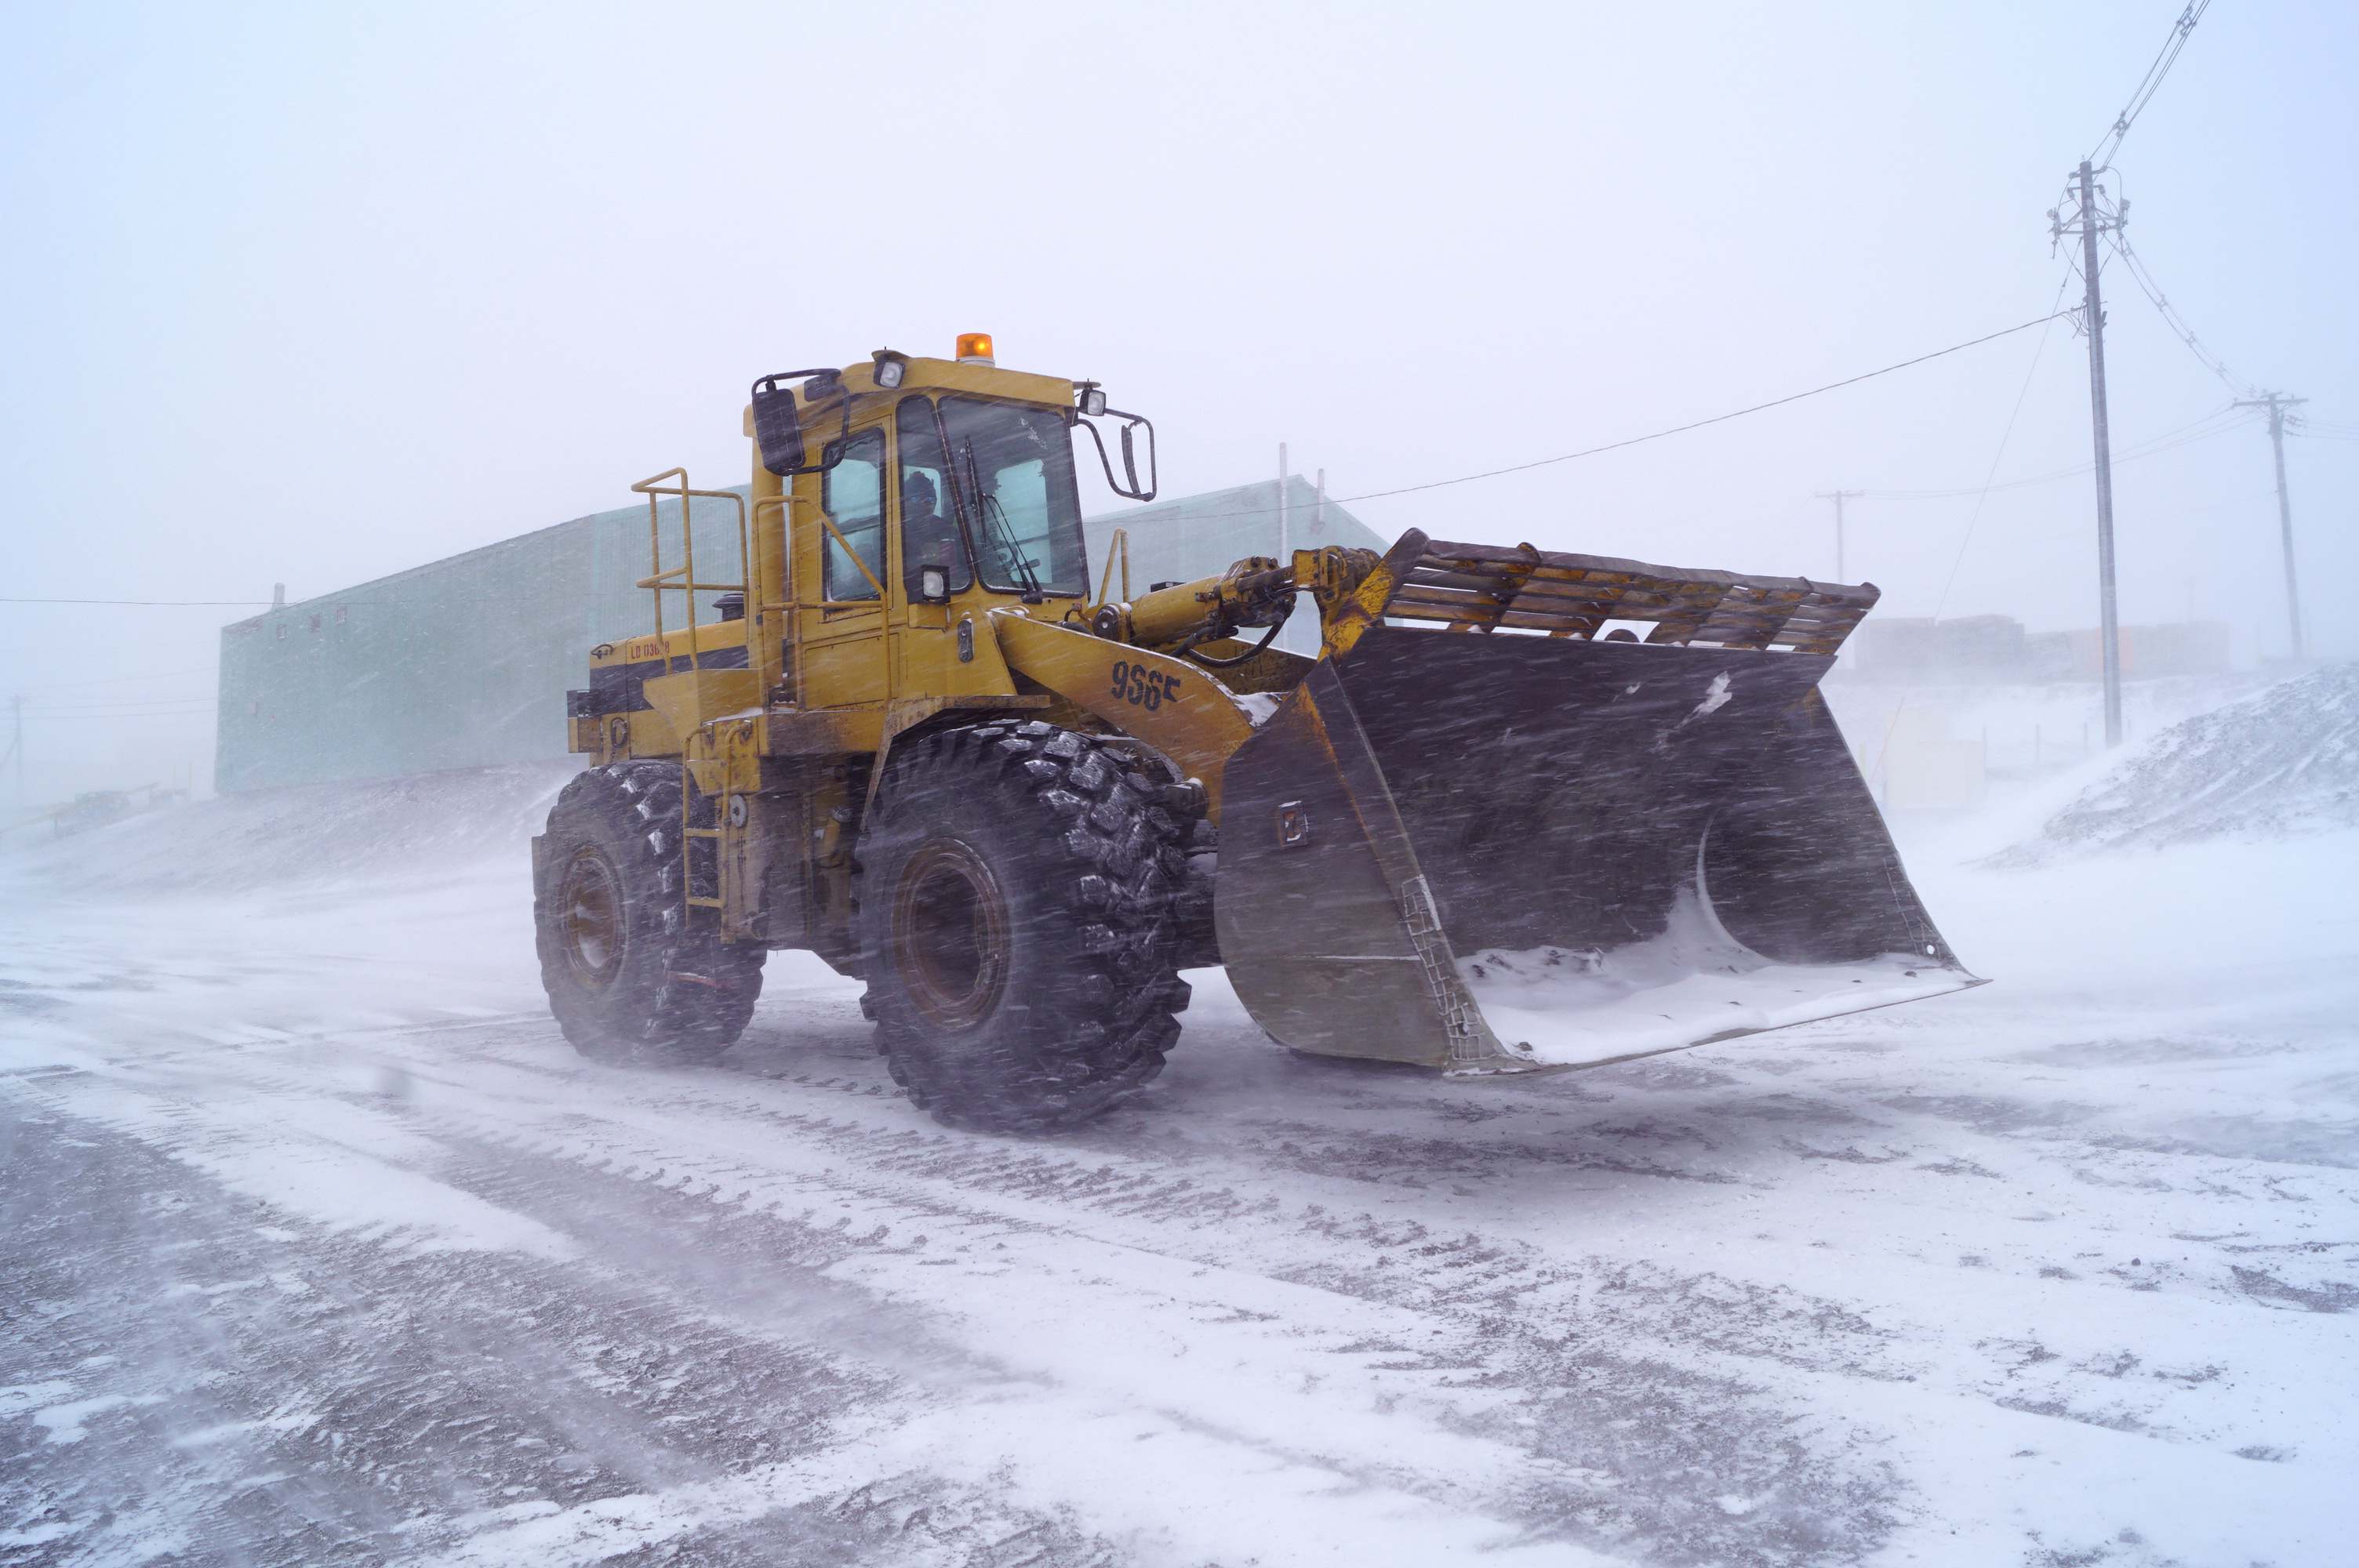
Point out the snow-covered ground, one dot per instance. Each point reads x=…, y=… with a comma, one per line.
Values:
x=323, y=1247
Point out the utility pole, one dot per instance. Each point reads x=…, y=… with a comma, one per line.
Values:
x=2277, y=403
x=1285, y=545
x=1839, y=497
x=2087, y=223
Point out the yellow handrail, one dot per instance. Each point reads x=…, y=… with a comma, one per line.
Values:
x=652, y=488
x=829, y=523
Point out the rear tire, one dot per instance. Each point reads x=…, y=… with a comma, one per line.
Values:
x=1016, y=898
x=628, y=979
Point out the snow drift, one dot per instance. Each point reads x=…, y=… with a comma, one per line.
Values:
x=312, y=833
x=2282, y=761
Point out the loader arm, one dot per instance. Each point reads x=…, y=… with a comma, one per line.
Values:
x=1130, y=669
x=1177, y=707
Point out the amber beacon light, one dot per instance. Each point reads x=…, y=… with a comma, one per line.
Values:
x=974, y=349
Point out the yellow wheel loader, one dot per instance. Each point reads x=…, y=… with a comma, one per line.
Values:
x=1525, y=810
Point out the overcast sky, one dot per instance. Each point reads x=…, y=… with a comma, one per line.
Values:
x=311, y=293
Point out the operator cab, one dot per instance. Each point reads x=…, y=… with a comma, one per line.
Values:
x=987, y=489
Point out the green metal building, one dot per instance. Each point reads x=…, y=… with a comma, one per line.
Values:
x=464, y=663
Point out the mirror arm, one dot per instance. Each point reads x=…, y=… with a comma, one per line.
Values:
x=842, y=435
x=1104, y=462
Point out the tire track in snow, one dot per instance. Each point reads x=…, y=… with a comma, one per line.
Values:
x=1372, y=1358
x=616, y=1341
x=288, y=1396
x=1239, y=1498
x=1753, y=1319
x=1185, y=1196
x=2171, y=1386
x=1730, y=1313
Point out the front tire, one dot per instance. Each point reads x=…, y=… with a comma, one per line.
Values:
x=1016, y=917
x=629, y=979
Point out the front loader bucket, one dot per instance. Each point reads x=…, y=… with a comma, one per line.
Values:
x=1497, y=853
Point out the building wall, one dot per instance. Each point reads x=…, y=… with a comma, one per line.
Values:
x=464, y=662
x=1996, y=650
x=2149, y=653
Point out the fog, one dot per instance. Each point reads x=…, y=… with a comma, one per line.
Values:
x=327, y=1247
x=406, y=1170
x=307, y=297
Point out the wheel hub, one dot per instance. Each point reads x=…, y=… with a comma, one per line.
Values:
x=951, y=935
x=591, y=919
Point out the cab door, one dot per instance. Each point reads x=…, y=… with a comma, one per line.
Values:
x=844, y=625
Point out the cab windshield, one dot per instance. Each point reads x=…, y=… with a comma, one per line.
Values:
x=1013, y=466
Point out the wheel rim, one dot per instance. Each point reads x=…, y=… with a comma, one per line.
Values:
x=951, y=935
x=592, y=900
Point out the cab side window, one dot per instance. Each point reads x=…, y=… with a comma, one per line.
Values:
x=929, y=533
x=852, y=493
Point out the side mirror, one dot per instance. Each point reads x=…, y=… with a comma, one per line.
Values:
x=1131, y=427
x=778, y=427
x=1129, y=485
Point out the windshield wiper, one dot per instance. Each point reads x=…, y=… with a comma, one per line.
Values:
x=1005, y=537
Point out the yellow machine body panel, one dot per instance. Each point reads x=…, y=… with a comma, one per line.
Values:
x=1179, y=708
x=1478, y=832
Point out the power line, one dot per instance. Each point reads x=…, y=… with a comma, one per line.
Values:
x=113, y=680
x=296, y=608
x=1340, y=501
x=1966, y=539
x=2321, y=429
x=156, y=712
x=1659, y=434
x=129, y=702
x=2152, y=82
x=2103, y=157
x=2170, y=316
x=2154, y=446
x=1997, y=457
x=77, y=714
x=1716, y=419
